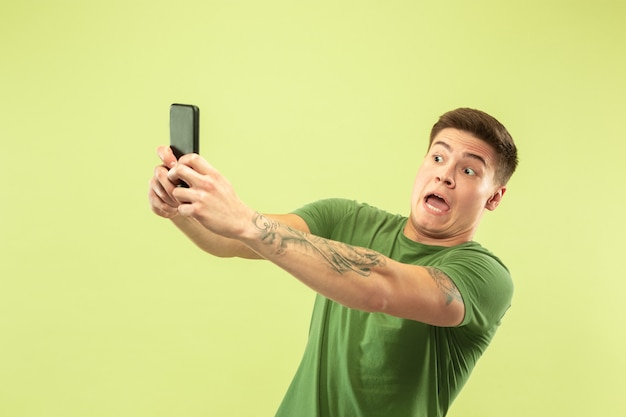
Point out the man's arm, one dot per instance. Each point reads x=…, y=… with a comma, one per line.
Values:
x=355, y=277
x=225, y=247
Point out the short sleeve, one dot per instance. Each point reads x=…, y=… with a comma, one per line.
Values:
x=484, y=283
x=322, y=216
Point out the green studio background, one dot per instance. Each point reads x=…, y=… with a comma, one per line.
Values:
x=106, y=310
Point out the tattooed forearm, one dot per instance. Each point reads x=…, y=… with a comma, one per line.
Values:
x=339, y=256
x=449, y=290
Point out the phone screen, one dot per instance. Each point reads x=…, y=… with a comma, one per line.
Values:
x=184, y=129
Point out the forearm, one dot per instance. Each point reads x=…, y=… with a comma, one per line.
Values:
x=336, y=270
x=210, y=242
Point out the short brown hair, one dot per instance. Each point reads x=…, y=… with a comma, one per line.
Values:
x=486, y=128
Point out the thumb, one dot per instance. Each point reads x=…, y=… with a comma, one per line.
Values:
x=167, y=156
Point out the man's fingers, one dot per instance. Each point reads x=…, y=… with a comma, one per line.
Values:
x=159, y=207
x=184, y=173
x=163, y=187
x=193, y=170
x=197, y=163
x=160, y=192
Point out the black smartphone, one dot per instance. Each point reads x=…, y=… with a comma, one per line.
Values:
x=184, y=129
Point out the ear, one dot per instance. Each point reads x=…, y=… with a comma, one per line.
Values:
x=495, y=199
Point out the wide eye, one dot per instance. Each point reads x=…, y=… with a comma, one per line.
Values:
x=469, y=171
x=438, y=158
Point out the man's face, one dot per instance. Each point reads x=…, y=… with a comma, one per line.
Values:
x=452, y=189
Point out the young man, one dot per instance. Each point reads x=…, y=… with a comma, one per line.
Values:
x=405, y=305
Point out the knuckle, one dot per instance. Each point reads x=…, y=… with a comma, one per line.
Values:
x=205, y=184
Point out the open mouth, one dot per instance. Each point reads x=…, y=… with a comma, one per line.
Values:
x=436, y=203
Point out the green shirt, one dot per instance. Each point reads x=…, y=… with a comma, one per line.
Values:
x=359, y=364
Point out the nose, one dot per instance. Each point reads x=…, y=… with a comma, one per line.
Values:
x=447, y=178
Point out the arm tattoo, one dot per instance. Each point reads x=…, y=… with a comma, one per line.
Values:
x=339, y=256
x=445, y=284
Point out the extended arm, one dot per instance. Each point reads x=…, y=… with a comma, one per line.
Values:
x=355, y=277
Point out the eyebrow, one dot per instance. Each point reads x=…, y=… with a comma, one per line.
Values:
x=465, y=154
